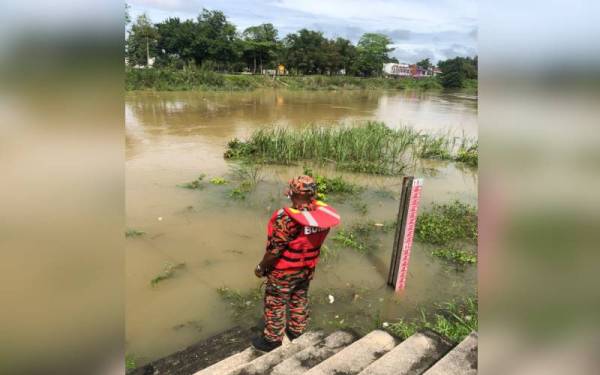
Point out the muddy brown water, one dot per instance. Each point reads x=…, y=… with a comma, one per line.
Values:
x=172, y=137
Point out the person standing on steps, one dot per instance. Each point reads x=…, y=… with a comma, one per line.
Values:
x=295, y=235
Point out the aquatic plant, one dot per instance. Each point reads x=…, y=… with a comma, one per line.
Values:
x=445, y=223
x=434, y=146
x=218, y=181
x=332, y=185
x=370, y=147
x=456, y=256
x=134, y=233
x=468, y=154
x=130, y=362
x=167, y=273
x=243, y=305
x=454, y=320
x=359, y=236
x=196, y=184
x=328, y=254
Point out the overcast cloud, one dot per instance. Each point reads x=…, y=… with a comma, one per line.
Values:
x=437, y=29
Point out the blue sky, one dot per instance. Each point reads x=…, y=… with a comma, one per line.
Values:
x=438, y=29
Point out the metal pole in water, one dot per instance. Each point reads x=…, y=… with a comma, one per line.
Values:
x=407, y=218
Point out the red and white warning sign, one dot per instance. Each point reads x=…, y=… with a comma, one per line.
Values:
x=409, y=232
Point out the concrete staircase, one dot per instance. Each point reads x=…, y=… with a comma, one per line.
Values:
x=340, y=353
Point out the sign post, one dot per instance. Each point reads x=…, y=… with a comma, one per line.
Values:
x=407, y=218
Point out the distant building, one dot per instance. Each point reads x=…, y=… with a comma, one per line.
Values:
x=408, y=70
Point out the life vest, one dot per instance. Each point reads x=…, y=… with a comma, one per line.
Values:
x=304, y=250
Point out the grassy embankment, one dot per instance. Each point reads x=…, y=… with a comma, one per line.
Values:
x=201, y=79
x=370, y=147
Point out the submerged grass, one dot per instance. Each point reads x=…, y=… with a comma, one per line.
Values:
x=456, y=256
x=332, y=185
x=454, y=320
x=247, y=175
x=468, y=154
x=167, y=273
x=243, y=304
x=361, y=236
x=368, y=147
x=197, y=184
x=446, y=223
x=133, y=233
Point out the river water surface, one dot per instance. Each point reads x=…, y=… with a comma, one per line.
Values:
x=173, y=137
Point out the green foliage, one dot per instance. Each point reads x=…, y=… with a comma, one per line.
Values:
x=445, y=223
x=456, y=71
x=336, y=185
x=468, y=155
x=142, y=41
x=329, y=254
x=133, y=233
x=372, y=52
x=194, y=185
x=456, y=256
x=243, y=305
x=452, y=320
x=167, y=273
x=130, y=362
x=361, y=236
x=370, y=148
x=434, y=147
x=218, y=181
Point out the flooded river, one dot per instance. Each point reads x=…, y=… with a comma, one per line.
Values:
x=173, y=137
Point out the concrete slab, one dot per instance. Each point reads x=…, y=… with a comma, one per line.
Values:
x=265, y=363
x=462, y=360
x=311, y=356
x=231, y=362
x=413, y=356
x=357, y=356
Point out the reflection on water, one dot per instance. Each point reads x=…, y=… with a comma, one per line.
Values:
x=173, y=137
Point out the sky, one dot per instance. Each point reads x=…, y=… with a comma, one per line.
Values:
x=435, y=29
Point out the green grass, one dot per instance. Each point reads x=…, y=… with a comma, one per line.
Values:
x=468, y=154
x=367, y=147
x=361, y=236
x=218, y=181
x=168, y=272
x=130, y=362
x=454, y=320
x=243, y=306
x=332, y=185
x=199, y=78
x=133, y=233
x=247, y=175
x=194, y=185
x=447, y=223
x=329, y=254
x=371, y=147
x=456, y=256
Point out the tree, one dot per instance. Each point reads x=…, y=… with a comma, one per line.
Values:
x=372, y=52
x=215, y=39
x=142, y=40
x=260, y=45
x=455, y=71
x=425, y=64
x=305, y=51
x=175, y=42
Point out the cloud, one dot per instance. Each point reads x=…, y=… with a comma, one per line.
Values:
x=421, y=28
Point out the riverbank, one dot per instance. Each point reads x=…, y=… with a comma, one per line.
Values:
x=205, y=80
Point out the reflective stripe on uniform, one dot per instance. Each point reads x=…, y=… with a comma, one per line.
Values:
x=309, y=217
x=329, y=212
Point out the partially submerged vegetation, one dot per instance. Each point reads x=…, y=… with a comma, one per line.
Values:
x=361, y=236
x=218, y=181
x=447, y=223
x=454, y=320
x=332, y=185
x=468, y=154
x=196, y=184
x=133, y=233
x=369, y=147
x=243, y=305
x=456, y=256
x=167, y=273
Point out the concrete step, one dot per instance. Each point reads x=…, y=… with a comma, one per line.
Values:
x=356, y=357
x=311, y=356
x=462, y=360
x=265, y=363
x=412, y=357
x=231, y=362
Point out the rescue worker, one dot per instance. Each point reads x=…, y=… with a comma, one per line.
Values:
x=295, y=235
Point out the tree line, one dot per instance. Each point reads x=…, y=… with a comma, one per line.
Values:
x=212, y=42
